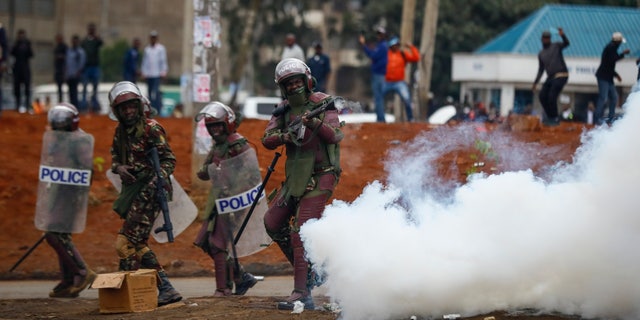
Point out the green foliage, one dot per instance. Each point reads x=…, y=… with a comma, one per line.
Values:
x=111, y=60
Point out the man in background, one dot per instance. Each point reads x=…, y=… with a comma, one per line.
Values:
x=607, y=93
x=320, y=66
x=91, y=45
x=397, y=59
x=378, y=56
x=551, y=60
x=292, y=49
x=22, y=53
x=76, y=60
x=59, y=60
x=131, y=71
x=154, y=68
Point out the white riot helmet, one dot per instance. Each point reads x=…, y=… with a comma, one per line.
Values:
x=124, y=91
x=289, y=68
x=218, y=112
x=63, y=116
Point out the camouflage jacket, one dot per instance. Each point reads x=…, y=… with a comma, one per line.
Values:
x=130, y=145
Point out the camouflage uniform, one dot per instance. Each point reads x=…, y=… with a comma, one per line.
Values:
x=138, y=204
x=312, y=170
x=140, y=209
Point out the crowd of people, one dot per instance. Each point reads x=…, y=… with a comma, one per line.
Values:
x=76, y=65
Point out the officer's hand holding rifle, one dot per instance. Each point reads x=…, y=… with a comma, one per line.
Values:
x=297, y=127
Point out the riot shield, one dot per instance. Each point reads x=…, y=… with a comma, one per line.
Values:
x=181, y=209
x=64, y=181
x=235, y=184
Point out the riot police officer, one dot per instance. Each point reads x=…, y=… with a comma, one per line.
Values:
x=137, y=203
x=312, y=168
x=216, y=234
x=62, y=207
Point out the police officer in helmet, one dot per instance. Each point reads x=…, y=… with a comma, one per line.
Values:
x=73, y=148
x=312, y=168
x=137, y=204
x=215, y=236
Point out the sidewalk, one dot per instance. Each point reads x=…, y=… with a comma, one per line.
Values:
x=188, y=287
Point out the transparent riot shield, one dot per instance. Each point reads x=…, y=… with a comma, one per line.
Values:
x=181, y=209
x=64, y=181
x=235, y=184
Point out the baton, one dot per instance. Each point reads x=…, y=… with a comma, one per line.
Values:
x=255, y=201
x=26, y=254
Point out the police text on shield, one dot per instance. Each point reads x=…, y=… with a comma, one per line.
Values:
x=76, y=177
x=239, y=201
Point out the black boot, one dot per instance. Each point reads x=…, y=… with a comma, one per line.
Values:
x=166, y=293
x=304, y=297
x=246, y=283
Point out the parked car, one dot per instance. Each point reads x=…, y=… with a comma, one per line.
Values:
x=262, y=107
x=259, y=107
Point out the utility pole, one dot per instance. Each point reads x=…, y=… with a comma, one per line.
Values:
x=201, y=72
x=427, y=45
x=406, y=35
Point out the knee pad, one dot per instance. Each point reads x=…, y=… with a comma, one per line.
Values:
x=126, y=249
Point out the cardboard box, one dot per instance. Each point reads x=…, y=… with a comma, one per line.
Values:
x=127, y=291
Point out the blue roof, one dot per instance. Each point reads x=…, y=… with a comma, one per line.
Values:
x=588, y=28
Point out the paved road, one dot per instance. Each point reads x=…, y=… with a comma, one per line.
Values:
x=188, y=287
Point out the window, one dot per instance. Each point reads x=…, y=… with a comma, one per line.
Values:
x=23, y=7
x=44, y=8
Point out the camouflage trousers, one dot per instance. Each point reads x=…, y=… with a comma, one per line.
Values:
x=137, y=229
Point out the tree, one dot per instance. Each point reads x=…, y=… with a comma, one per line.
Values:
x=111, y=60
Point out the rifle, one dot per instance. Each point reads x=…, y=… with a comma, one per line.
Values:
x=26, y=254
x=161, y=195
x=296, y=125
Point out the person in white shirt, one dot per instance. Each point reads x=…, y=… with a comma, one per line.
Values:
x=154, y=68
x=292, y=49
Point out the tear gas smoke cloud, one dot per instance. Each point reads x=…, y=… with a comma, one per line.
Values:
x=565, y=243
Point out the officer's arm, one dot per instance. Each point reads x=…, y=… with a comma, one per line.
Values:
x=329, y=128
x=273, y=135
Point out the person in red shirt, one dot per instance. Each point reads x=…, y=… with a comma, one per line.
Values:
x=397, y=59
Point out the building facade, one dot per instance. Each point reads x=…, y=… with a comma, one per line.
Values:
x=501, y=72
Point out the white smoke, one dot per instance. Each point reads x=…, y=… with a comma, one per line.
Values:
x=566, y=243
